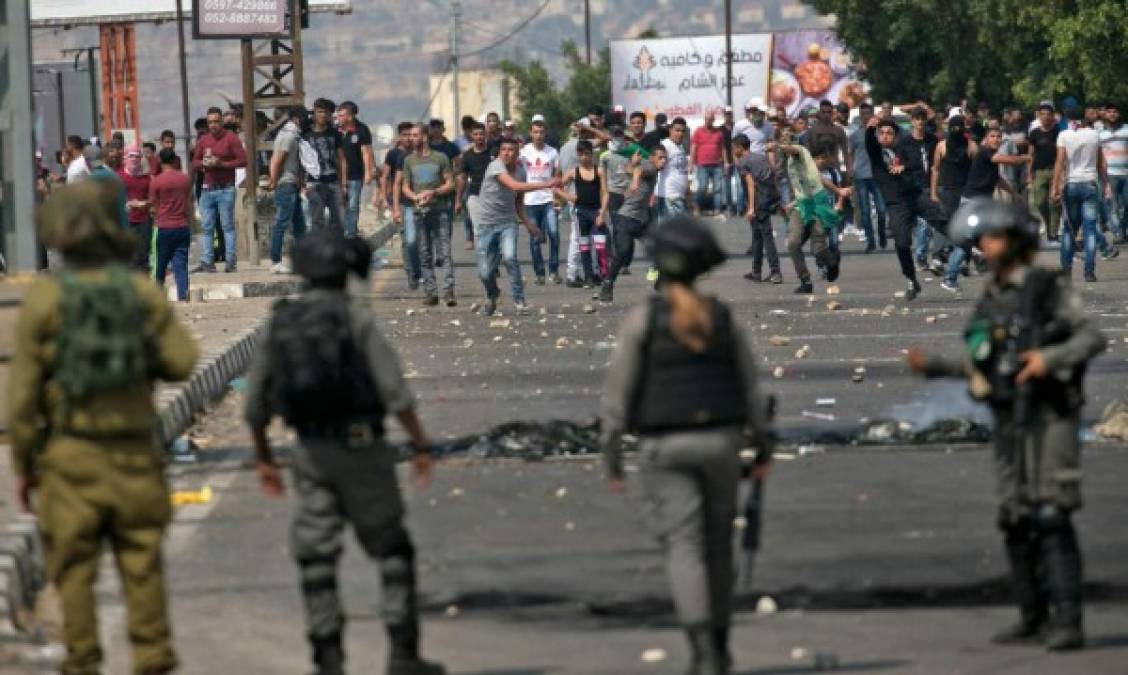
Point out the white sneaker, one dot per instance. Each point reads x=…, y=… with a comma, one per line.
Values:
x=279, y=268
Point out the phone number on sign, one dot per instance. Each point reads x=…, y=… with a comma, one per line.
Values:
x=243, y=5
x=241, y=19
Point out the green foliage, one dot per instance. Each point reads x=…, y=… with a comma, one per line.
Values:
x=561, y=106
x=1004, y=51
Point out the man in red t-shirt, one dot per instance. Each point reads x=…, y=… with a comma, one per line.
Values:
x=171, y=196
x=707, y=153
x=218, y=154
x=134, y=174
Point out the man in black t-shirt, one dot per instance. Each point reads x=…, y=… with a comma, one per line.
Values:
x=983, y=178
x=356, y=141
x=469, y=170
x=436, y=138
x=654, y=138
x=327, y=190
x=921, y=144
x=1043, y=150
x=393, y=164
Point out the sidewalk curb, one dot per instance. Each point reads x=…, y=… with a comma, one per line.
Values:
x=281, y=287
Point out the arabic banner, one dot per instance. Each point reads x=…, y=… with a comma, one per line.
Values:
x=685, y=76
x=811, y=65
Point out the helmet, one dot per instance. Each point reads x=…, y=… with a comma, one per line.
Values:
x=685, y=248
x=984, y=215
x=81, y=221
x=323, y=258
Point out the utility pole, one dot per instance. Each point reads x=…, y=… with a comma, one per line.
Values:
x=728, y=52
x=587, y=28
x=17, y=151
x=455, y=38
x=183, y=76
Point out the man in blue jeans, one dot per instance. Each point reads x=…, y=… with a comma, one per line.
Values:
x=1114, y=147
x=285, y=181
x=497, y=211
x=865, y=189
x=356, y=141
x=1078, y=171
x=707, y=154
x=541, y=163
x=218, y=153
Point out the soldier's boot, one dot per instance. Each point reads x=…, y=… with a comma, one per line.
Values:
x=704, y=649
x=1061, y=557
x=721, y=642
x=1023, y=555
x=402, y=616
x=328, y=655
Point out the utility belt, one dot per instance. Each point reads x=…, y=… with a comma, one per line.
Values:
x=644, y=428
x=355, y=434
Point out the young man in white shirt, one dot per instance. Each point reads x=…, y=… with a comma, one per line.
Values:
x=1079, y=170
x=1114, y=147
x=541, y=163
x=673, y=182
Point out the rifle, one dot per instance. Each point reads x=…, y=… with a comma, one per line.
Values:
x=754, y=509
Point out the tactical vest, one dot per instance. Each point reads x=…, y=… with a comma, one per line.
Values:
x=321, y=380
x=1006, y=324
x=680, y=389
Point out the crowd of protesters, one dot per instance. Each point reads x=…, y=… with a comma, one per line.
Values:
x=883, y=173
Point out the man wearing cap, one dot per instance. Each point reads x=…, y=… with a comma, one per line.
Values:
x=655, y=136
x=1043, y=153
x=755, y=125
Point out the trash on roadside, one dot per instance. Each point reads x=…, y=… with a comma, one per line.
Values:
x=859, y=374
x=778, y=372
x=589, y=309
x=186, y=497
x=499, y=323
x=1114, y=421
x=803, y=352
x=654, y=655
x=822, y=417
x=779, y=312
x=834, y=306
x=563, y=343
x=825, y=402
x=779, y=340
x=833, y=290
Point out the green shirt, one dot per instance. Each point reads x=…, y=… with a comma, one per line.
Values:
x=428, y=173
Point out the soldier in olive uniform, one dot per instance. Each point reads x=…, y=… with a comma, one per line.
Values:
x=1028, y=345
x=683, y=379
x=82, y=423
x=327, y=369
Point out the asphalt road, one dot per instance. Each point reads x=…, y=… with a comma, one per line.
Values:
x=885, y=561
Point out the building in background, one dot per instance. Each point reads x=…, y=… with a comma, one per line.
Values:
x=482, y=88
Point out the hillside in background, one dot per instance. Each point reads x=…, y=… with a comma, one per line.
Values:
x=382, y=54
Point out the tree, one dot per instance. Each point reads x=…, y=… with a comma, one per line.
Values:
x=536, y=93
x=1004, y=51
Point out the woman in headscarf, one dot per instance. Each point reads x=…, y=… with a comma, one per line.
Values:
x=684, y=381
x=134, y=172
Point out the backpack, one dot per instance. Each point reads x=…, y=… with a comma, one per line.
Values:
x=319, y=375
x=99, y=347
x=310, y=160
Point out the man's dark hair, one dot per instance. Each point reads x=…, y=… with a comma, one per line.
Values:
x=889, y=123
x=1111, y=105
x=679, y=120
x=1074, y=113
x=214, y=111
x=742, y=141
x=638, y=113
x=76, y=142
x=436, y=123
x=149, y=145
x=584, y=146
x=866, y=105
x=510, y=141
x=404, y=126
x=660, y=119
x=467, y=122
x=842, y=108
x=983, y=105
x=476, y=125
x=118, y=139
x=919, y=114
x=595, y=110
x=824, y=150
x=825, y=103
x=201, y=124
x=168, y=133
x=660, y=149
x=167, y=156
x=350, y=106
x=324, y=104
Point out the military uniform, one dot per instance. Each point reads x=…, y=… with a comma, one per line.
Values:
x=344, y=473
x=99, y=472
x=1037, y=449
x=691, y=411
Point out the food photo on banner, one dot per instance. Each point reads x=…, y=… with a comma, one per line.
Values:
x=809, y=66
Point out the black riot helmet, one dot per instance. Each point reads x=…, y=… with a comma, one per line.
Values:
x=685, y=248
x=984, y=215
x=323, y=258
